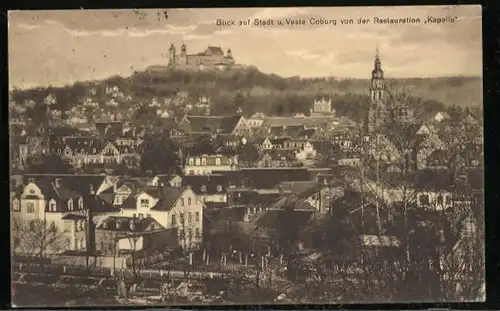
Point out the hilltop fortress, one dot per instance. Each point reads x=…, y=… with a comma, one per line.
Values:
x=212, y=58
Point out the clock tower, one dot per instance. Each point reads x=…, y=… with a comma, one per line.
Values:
x=377, y=93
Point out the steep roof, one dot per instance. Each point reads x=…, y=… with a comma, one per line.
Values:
x=167, y=196
x=130, y=224
x=212, y=50
x=210, y=124
x=208, y=184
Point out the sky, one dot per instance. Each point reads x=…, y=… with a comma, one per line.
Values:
x=65, y=46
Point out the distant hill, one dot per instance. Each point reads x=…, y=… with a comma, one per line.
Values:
x=253, y=90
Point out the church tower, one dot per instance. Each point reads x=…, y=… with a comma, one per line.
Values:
x=377, y=94
x=171, y=55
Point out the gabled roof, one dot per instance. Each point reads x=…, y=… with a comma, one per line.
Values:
x=167, y=196
x=210, y=124
x=209, y=182
x=212, y=50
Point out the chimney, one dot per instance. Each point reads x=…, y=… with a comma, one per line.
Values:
x=57, y=182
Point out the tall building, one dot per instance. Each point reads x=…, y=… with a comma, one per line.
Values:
x=377, y=95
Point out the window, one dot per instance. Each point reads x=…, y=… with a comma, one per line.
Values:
x=82, y=225
x=182, y=218
x=53, y=226
x=197, y=161
x=448, y=199
x=440, y=199
x=70, y=204
x=197, y=216
x=203, y=161
x=144, y=203
x=424, y=199
x=80, y=203
x=189, y=201
x=203, y=188
x=15, y=206
x=190, y=233
x=30, y=207
x=174, y=220
x=217, y=161
x=190, y=217
x=182, y=201
x=191, y=161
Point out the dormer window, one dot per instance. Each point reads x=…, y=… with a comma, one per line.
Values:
x=52, y=206
x=80, y=203
x=203, y=188
x=70, y=204
x=219, y=188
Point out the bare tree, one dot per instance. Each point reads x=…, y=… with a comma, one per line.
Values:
x=37, y=239
x=389, y=182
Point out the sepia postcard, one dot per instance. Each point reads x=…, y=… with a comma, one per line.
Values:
x=298, y=155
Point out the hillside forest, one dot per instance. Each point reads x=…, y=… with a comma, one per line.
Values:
x=253, y=91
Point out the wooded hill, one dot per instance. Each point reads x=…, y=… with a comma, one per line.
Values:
x=255, y=91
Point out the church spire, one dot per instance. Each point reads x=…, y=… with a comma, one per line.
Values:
x=377, y=72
